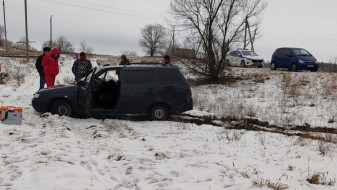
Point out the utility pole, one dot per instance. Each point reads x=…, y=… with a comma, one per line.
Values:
x=27, y=41
x=250, y=37
x=5, y=27
x=51, y=31
x=245, y=40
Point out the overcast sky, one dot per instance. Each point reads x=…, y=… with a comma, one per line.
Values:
x=111, y=26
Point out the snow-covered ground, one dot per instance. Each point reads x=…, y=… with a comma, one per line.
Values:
x=52, y=152
x=279, y=97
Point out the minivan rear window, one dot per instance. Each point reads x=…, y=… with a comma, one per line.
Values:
x=138, y=77
x=168, y=76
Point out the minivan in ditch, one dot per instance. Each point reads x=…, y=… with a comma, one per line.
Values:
x=153, y=90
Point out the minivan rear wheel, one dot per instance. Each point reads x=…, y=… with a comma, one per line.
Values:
x=243, y=64
x=227, y=64
x=61, y=107
x=159, y=112
x=294, y=67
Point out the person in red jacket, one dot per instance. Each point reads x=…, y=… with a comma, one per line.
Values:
x=51, y=66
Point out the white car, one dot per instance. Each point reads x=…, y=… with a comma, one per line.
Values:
x=244, y=58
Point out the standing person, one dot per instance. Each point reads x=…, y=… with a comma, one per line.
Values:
x=81, y=67
x=38, y=65
x=167, y=60
x=124, y=60
x=76, y=57
x=50, y=64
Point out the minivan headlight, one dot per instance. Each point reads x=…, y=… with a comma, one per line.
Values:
x=36, y=95
x=301, y=61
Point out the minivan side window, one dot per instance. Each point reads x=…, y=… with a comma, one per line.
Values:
x=168, y=76
x=138, y=77
x=281, y=52
x=287, y=52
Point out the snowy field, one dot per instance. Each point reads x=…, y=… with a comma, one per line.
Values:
x=52, y=152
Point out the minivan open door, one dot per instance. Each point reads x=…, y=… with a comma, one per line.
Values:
x=84, y=96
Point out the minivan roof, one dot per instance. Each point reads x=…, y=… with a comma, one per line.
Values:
x=134, y=65
x=289, y=48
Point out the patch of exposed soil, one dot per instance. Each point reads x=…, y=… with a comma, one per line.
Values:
x=252, y=124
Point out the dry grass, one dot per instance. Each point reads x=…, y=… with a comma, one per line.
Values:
x=321, y=178
x=267, y=183
x=3, y=77
x=329, y=88
x=324, y=148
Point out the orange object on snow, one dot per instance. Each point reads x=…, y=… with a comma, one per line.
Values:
x=11, y=115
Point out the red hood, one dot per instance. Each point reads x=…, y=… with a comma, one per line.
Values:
x=55, y=51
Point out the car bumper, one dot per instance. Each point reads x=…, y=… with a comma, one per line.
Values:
x=308, y=66
x=39, y=106
x=258, y=63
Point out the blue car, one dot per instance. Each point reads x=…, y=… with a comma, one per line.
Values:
x=293, y=59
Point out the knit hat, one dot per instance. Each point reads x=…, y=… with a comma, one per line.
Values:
x=167, y=57
x=82, y=53
x=46, y=49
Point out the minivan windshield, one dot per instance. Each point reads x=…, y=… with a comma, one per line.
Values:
x=249, y=53
x=301, y=52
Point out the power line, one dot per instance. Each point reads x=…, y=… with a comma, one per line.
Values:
x=115, y=12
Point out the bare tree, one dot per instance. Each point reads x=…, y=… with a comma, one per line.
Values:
x=153, y=39
x=47, y=44
x=85, y=48
x=214, y=26
x=63, y=45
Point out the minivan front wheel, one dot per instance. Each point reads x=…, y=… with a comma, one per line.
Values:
x=294, y=67
x=159, y=112
x=61, y=107
x=272, y=66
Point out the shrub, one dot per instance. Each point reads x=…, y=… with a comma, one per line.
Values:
x=3, y=77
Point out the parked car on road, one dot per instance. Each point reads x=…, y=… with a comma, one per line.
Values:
x=152, y=90
x=244, y=58
x=293, y=59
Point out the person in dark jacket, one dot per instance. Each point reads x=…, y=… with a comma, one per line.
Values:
x=50, y=64
x=81, y=67
x=167, y=60
x=124, y=60
x=38, y=65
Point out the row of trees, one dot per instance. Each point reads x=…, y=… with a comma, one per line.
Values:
x=65, y=46
x=210, y=27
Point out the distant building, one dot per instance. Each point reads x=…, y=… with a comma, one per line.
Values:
x=184, y=53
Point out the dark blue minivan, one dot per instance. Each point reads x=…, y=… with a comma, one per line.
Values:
x=293, y=59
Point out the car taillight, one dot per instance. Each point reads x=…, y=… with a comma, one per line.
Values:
x=188, y=93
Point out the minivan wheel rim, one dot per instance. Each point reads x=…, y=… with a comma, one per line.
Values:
x=159, y=113
x=273, y=65
x=294, y=67
x=63, y=110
